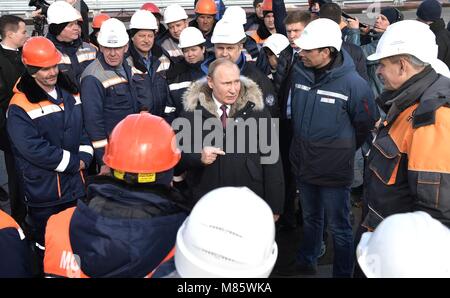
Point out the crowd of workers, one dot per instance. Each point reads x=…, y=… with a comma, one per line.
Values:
x=170, y=147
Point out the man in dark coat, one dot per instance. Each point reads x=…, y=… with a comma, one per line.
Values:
x=254, y=19
x=294, y=24
x=333, y=111
x=13, y=34
x=235, y=156
x=429, y=12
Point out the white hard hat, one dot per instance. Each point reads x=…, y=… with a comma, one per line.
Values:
x=320, y=33
x=113, y=34
x=407, y=37
x=143, y=19
x=235, y=14
x=229, y=233
x=173, y=13
x=190, y=37
x=228, y=33
x=62, y=12
x=276, y=43
x=406, y=245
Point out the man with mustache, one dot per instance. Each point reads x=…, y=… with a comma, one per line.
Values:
x=50, y=145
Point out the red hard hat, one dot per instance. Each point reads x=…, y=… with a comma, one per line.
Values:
x=142, y=143
x=151, y=7
x=206, y=7
x=267, y=5
x=99, y=19
x=41, y=52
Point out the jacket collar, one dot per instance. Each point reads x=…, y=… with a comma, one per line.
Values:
x=35, y=93
x=437, y=25
x=335, y=72
x=66, y=47
x=156, y=53
x=395, y=102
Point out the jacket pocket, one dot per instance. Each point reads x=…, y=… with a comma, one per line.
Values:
x=385, y=159
x=41, y=188
x=428, y=185
x=324, y=121
x=117, y=94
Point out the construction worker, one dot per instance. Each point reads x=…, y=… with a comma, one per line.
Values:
x=127, y=225
x=175, y=18
x=255, y=19
x=50, y=145
x=406, y=245
x=181, y=75
x=407, y=164
x=157, y=13
x=96, y=24
x=218, y=239
x=333, y=111
x=108, y=92
x=228, y=40
x=15, y=254
x=152, y=88
x=205, y=21
x=237, y=14
x=82, y=7
x=333, y=12
x=272, y=48
x=64, y=31
x=268, y=27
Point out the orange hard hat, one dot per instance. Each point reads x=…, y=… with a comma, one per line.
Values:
x=267, y=5
x=40, y=52
x=142, y=143
x=206, y=7
x=151, y=7
x=99, y=19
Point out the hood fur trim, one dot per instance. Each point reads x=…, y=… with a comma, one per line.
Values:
x=200, y=93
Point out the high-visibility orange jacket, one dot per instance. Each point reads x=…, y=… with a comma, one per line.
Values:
x=409, y=162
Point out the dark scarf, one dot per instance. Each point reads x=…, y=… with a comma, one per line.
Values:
x=396, y=101
x=319, y=73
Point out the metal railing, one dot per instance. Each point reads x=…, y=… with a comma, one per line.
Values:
x=21, y=7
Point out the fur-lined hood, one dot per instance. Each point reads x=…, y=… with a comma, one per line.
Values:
x=200, y=93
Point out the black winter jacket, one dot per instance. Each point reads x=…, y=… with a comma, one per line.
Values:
x=233, y=168
x=11, y=68
x=442, y=40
